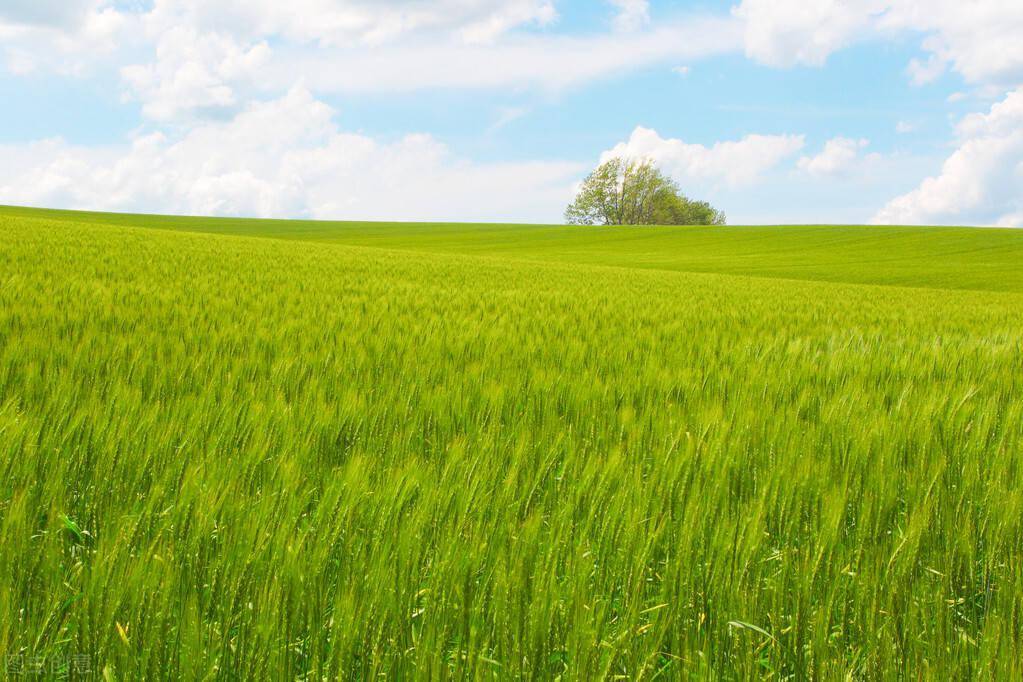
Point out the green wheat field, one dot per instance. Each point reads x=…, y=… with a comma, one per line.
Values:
x=247, y=450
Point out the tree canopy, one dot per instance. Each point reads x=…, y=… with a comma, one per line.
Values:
x=623, y=192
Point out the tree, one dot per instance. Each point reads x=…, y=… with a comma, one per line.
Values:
x=621, y=192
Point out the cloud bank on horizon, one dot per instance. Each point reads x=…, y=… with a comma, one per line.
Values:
x=886, y=111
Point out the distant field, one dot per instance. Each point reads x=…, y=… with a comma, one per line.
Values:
x=290, y=450
x=940, y=257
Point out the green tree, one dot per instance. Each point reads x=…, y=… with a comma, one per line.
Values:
x=622, y=192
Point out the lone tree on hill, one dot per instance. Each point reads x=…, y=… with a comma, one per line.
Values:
x=622, y=192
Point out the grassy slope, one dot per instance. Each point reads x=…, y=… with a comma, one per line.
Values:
x=294, y=458
x=953, y=258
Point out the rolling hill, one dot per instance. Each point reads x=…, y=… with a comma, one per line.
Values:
x=985, y=259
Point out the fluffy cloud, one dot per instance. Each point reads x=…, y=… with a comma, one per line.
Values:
x=632, y=14
x=209, y=56
x=733, y=163
x=193, y=72
x=789, y=32
x=839, y=155
x=73, y=36
x=978, y=39
x=980, y=182
x=66, y=37
x=283, y=158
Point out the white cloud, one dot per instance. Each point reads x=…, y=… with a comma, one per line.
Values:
x=631, y=15
x=193, y=72
x=283, y=158
x=980, y=182
x=63, y=37
x=350, y=22
x=789, y=32
x=70, y=36
x=180, y=57
x=838, y=157
x=546, y=62
x=207, y=57
x=905, y=127
x=196, y=67
x=926, y=71
x=734, y=163
x=979, y=39
x=681, y=71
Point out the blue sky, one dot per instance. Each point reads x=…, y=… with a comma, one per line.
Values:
x=904, y=111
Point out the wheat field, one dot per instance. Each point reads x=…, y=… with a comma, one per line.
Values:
x=273, y=450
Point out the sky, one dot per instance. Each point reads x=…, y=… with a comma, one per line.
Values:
x=775, y=111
